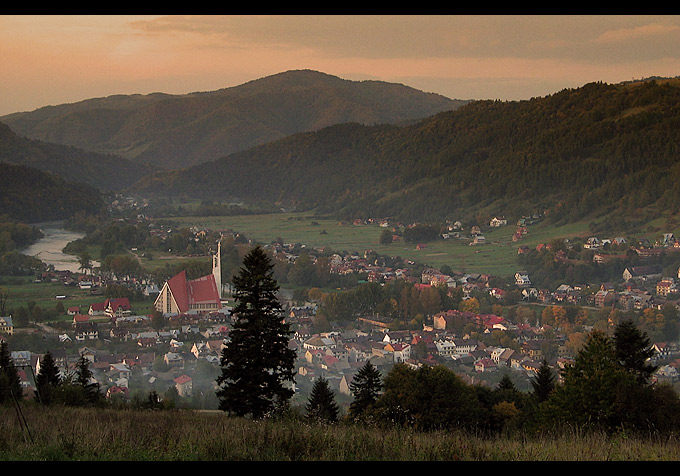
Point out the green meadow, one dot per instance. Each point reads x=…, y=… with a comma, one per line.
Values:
x=498, y=256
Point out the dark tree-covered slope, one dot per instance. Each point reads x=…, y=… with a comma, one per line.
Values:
x=576, y=153
x=104, y=172
x=29, y=195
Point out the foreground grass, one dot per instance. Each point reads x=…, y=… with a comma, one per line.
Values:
x=73, y=434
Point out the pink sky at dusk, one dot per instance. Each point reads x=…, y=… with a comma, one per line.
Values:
x=54, y=59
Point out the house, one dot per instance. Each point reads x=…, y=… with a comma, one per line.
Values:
x=498, y=221
x=522, y=279
x=86, y=331
x=118, y=392
x=116, y=308
x=88, y=354
x=533, y=348
x=662, y=351
x=173, y=359
x=592, y=243
x=446, y=348
x=6, y=325
x=478, y=240
x=505, y=357
x=120, y=370
x=668, y=239
x=485, y=365
x=400, y=352
x=642, y=273
x=604, y=298
x=80, y=319
x=184, y=385
x=97, y=309
x=665, y=287
x=73, y=310
x=437, y=279
x=531, y=366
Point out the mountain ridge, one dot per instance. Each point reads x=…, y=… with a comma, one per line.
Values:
x=175, y=131
x=578, y=153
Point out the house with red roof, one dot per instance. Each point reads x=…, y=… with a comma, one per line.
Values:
x=180, y=295
x=119, y=307
x=80, y=319
x=184, y=385
x=97, y=308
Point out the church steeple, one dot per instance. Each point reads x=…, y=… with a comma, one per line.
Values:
x=217, y=268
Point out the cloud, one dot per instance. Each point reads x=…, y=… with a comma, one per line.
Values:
x=649, y=31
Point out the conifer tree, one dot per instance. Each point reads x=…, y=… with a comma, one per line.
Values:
x=321, y=405
x=84, y=378
x=633, y=350
x=256, y=363
x=544, y=382
x=47, y=380
x=365, y=386
x=596, y=389
x=10, y=384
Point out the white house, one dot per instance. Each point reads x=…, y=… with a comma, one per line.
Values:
x=522, y=279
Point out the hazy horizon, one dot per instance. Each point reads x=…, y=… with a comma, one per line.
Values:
x=54, y=59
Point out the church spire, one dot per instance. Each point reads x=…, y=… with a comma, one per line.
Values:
x=217, y=268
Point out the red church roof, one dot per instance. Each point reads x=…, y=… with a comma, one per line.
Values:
x=203, y=290
x=186, y=293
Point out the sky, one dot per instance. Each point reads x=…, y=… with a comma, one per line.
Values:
x=55, y=59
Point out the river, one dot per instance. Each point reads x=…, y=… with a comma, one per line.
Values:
x=49, y=248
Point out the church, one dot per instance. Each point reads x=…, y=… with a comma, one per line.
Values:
x=182, y=296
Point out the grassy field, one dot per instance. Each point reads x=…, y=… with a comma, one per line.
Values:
x=22, y=291
x=498, y=256
x=76, y=434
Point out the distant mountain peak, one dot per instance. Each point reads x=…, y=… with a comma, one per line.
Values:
x=176, y=131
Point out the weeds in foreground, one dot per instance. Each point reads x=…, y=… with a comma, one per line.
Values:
x=77, y=434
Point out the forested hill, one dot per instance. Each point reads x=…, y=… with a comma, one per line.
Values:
x=176, y=131
x=104, y=172
x=29, y=195
x=577, y=153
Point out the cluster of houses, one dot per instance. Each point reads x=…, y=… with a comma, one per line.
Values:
x=336, y=355
x=642, y=287
x=197, y=334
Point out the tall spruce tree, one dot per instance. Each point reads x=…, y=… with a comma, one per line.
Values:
x=365, y=386
x=10, y=383
x=321, y=405
x=84, y=378
x=47, y=380
x=633, y=350
x=256, y=363
x=543, y=383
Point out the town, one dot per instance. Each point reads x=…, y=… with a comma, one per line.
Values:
x=492, y=327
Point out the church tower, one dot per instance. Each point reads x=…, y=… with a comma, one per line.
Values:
x=217, y=268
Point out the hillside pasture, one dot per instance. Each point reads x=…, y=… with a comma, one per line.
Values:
x=498, y=256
